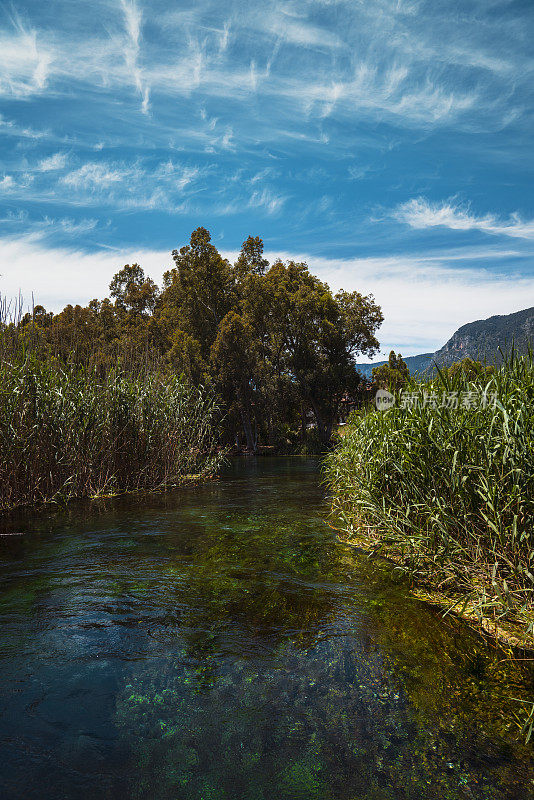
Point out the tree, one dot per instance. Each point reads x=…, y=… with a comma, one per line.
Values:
x=251, y=260
x=393, y=375
x=274, y=342
x=316, y=336
x=74, y=333
x=473, y=370
x=234, y=360
x=185, y=358
x=198, y=292
x=132, y=291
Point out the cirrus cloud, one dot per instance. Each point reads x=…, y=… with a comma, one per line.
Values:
x=420, y=214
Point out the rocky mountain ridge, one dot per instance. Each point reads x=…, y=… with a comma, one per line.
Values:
x=482, y=340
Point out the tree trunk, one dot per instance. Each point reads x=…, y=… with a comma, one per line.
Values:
x=324, y=428
x=247, y=427
x=303, y=424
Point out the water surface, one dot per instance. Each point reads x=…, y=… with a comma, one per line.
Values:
x=221, y=642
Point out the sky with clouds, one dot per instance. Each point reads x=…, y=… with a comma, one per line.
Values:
x=388, y=143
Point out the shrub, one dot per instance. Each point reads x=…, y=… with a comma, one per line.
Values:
x=73, y=430
x=449, y=492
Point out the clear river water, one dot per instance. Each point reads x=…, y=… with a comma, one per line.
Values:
x=221, y=642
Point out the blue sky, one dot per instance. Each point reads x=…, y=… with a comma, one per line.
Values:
x=389, y=143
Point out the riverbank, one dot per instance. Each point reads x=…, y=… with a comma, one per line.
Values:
x=446, y=491
x=507, y=635
x=74, y=430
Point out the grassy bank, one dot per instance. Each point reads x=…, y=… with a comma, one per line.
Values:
x=71, y=429
x=448, y=492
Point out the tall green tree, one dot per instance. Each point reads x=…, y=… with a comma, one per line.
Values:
x=274, y=342
x=132, y=291
x=316, y=337
x=393, y=375
x=198, y=292
x=234, y=359
x=251, y=260
x=472, y=369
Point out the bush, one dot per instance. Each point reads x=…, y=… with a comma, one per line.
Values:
x=449, y=492
x=68, y=430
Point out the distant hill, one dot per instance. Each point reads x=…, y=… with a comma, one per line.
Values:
x=416, y=364
x=479, y=340
x=482, y=339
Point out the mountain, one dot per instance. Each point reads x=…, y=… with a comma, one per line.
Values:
x=480, y=340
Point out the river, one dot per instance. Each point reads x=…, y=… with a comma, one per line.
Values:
x=222, y=643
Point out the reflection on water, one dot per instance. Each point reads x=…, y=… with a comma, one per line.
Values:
x=221, y=642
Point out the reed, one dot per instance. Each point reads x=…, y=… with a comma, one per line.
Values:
x=71, y=429
x=449, y=492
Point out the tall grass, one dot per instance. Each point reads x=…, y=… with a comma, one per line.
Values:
x=76, y=430
x=449, y=492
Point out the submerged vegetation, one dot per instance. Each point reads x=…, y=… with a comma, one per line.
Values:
x=72, y=428
x=301, y=672
x=447, y=489
x=224, y=642
x=333, y=721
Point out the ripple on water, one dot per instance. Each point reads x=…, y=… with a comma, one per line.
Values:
x=220, y=642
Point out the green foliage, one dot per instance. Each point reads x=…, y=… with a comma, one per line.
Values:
x=68, y=430
x=272, y=342
x=315, y=336
x=235, y=362
x=393, y=375
x=198, y=291
x=326, y=722
x=449, y=492
x=184, y=357
x=251, y=260
x=132, y=291
x=472, y=370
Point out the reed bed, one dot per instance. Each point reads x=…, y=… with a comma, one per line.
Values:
x=448, y=492
x=70, y=429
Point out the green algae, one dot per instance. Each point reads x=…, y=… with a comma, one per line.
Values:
x=228, y=645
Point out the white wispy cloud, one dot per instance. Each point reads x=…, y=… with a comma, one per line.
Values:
x=6, y=183
x=419, y=213
x=24, y=60
x=74, y=227
x=163, y=186
x=132, y=23
x=45, y=228
x=8, y=127
x=419, y=69
x=169, y=186
x=266, y=199
x=180, y=175
x=15, y=217
x=294, y=30
x=52, y=163
x=95, y=175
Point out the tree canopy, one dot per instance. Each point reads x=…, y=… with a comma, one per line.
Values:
x=393, y=375
x=273, y=341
